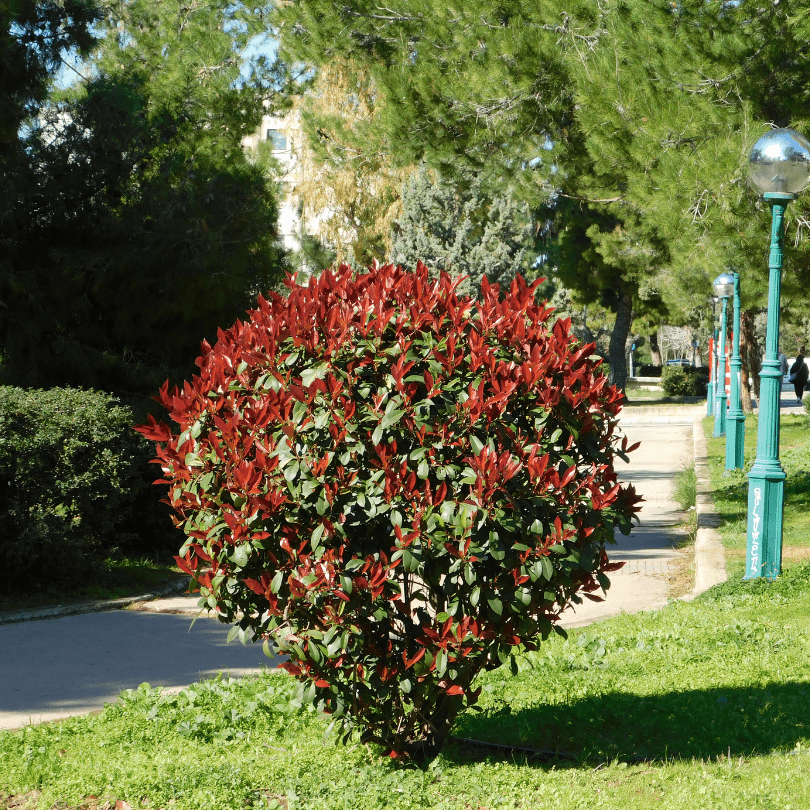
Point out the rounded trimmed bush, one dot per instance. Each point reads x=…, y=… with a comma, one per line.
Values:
x=396, y=487
x=73, y=477
x=683, y=381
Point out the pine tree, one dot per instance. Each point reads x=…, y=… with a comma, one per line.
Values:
x=629, y=119
x=34, y=35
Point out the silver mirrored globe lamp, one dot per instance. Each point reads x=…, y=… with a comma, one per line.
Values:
x=724, y=285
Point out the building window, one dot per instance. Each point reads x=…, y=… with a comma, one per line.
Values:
x=278, y=139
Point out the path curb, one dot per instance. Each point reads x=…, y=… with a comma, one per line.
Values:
x=97, y=606
x=710, y=556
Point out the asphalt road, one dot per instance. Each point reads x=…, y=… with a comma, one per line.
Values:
x=72, y=665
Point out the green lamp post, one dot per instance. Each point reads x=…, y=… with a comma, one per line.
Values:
x=779, y=170
x=723, y=289
x=735, y=421
x=710, y=389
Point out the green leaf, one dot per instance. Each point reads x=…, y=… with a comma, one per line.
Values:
x=441, y=663
x=477, y=445
x=391, y=418
x=447, y=510
x=309, y=375
x=376, y=436
x=317, y=534
x=495, y=605
x=469, y=574
x=423, y=470
x=239, y=556
x=409, y=560
x=275, y=584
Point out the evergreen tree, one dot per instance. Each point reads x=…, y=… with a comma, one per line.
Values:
x=491, y=89
x=34, y=36
x=137, y=226
x=683, y=91
x=456, y=228
x=630, y=119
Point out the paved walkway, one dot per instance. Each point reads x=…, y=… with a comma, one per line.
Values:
x=671, y=439
x=788, y=404
x=73, y=664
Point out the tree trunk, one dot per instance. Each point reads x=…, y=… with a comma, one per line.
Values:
x=655, y=349
x=751, y=359
x=618, y=341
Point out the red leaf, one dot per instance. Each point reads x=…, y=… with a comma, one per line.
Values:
x=455, y=690
x=410, y=662
x=568, y=475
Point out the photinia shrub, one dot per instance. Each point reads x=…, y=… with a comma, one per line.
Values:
x=396, y=487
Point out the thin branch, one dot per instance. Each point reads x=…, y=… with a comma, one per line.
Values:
x=588, y=200
x=67, y=64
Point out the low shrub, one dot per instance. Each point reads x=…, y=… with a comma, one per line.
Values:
x=397, y=487
x=74, y=484
x=681, y=381
x=649, y=371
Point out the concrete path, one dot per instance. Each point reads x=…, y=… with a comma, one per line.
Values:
x=788, y=405
x=671, y=439
x=57, y=667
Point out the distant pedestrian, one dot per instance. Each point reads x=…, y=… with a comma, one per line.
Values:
x=783, y=364
x=799, y=374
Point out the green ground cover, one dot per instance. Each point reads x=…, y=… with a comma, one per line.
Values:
x=730, y=489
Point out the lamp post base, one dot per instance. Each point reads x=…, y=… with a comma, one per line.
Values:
x=735, y=440
x=720, y=415
x=766, y=500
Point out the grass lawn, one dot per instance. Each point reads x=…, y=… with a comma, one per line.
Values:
x=731, y=489
x=703, y=704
